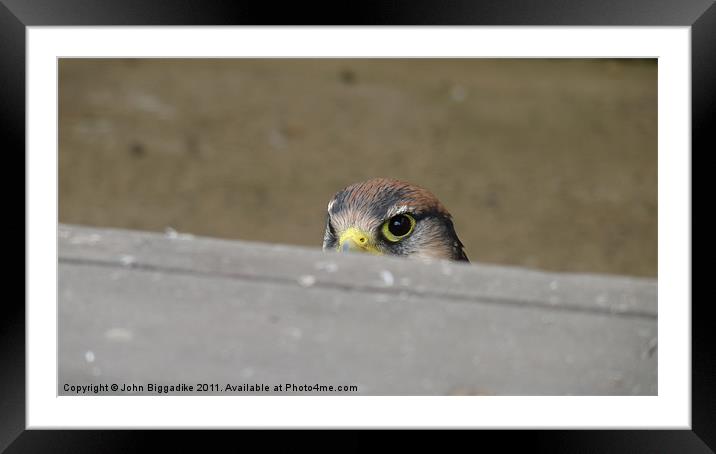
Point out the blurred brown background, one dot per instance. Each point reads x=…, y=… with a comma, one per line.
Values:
x=549, y=164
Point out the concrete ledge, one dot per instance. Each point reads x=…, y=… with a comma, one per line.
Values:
x=140, y=308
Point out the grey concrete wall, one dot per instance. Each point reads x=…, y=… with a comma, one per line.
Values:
x=141, y=308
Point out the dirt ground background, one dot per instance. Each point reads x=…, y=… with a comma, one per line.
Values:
x=548, y=164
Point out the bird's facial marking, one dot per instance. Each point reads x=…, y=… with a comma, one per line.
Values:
x=398, y=209
x=353, y=239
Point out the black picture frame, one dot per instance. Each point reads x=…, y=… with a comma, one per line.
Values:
x=16, y=15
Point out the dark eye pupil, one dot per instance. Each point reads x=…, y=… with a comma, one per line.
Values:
x=399, y=225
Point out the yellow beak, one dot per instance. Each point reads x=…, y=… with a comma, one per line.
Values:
x=356, y=240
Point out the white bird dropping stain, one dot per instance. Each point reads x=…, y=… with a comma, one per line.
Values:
x=119, y=335
x=89, y=356
x=306, y=281
x=171, y=233
x=601, y=300
x=387, y=277
x=86, y=239
x=327, y=266
x=127, y=260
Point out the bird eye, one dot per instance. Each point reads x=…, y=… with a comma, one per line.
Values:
x=398, y=227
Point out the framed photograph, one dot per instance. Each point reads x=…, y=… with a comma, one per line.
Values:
x=516, y=184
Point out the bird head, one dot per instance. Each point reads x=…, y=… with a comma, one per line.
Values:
x=390, y=217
